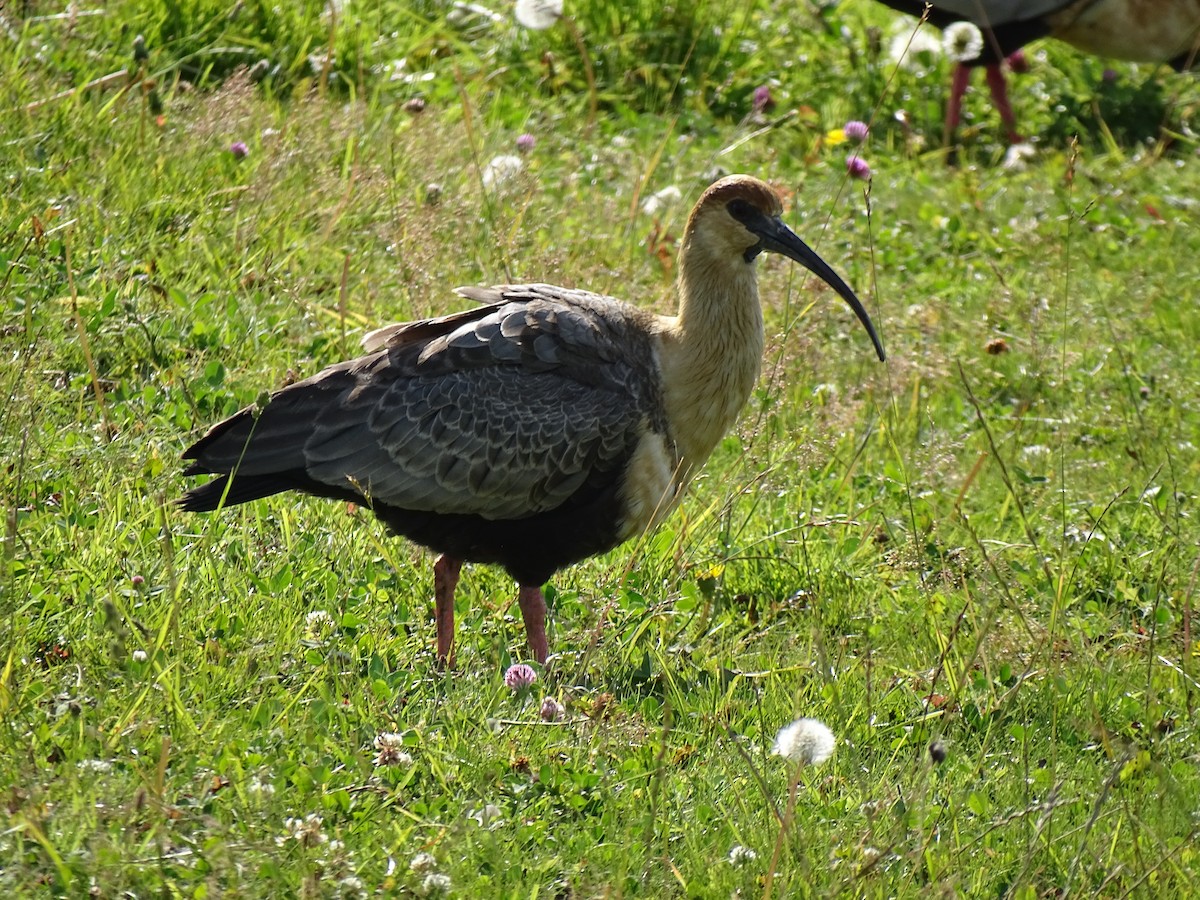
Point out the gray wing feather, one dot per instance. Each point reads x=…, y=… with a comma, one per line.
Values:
x=506, y=412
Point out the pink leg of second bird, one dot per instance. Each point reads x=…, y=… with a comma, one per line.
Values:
x=533, y=612
x=445, y=579
x=999, y=88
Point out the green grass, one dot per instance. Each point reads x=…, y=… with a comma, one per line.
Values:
x=996, y=551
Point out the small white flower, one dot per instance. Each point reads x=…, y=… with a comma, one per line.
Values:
x=94, y=765
x=962, y=41
x=740, y=855
x=262, y=788
x=501, y=170
x=488, y=817
x=1017, y=155
x=140, y=656
x=423, y=862
x=391, y=750
x=665, y=198
x=538, y=14
x=435, y=883
x=805, y=741
x=318, y=621
x=307, y=831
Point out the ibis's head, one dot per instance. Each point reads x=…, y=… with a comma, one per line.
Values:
x=739, y=217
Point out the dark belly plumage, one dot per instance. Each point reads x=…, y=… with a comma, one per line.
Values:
x=531, y=549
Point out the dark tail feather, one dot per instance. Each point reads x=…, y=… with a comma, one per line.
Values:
x=211, y=496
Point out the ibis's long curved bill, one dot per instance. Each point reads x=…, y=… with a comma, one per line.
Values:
x=778, y=238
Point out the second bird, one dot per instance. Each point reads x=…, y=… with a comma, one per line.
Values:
x=542, y=427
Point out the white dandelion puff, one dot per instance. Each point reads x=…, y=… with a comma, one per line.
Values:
x=538, y=14
x=962, y=41
x=805, y=741
x=664, y=199
x=914, y=50
x=501, y=170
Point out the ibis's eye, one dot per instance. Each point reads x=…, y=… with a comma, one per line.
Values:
x=743, y=210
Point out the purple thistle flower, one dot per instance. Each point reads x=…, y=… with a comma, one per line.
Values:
x=857, y=167
x=519, y=677
x=239, y=149
x=525, y=143
x=856, y=131
x=762, y=99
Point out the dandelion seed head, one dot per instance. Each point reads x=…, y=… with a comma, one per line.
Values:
x=914, y=50
x=805, y=741
x=962, y=41
x=501, y=170
x=661, y=200
x=538, y=15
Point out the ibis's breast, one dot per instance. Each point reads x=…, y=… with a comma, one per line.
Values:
x=652, y=485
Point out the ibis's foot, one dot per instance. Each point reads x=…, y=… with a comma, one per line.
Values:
x=999, y=88
x=533, y=612
x=445, y=580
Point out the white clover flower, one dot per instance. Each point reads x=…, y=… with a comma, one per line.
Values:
x=805, y=741
x=488, y=817
x=661, y=200
x=391, y=750
x=1017, y=155
x=435, y=883
x=740, y=855
x=538, y=14
x=422, y=862
x=501, y=170
x=308, y=832
x=962, y=41
x=318, y=621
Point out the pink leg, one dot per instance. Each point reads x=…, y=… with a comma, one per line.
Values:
x=445, y=580
x=995, y=80
x=533, y=611
x=958, y=87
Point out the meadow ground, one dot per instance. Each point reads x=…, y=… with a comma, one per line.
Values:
x=976, y=563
